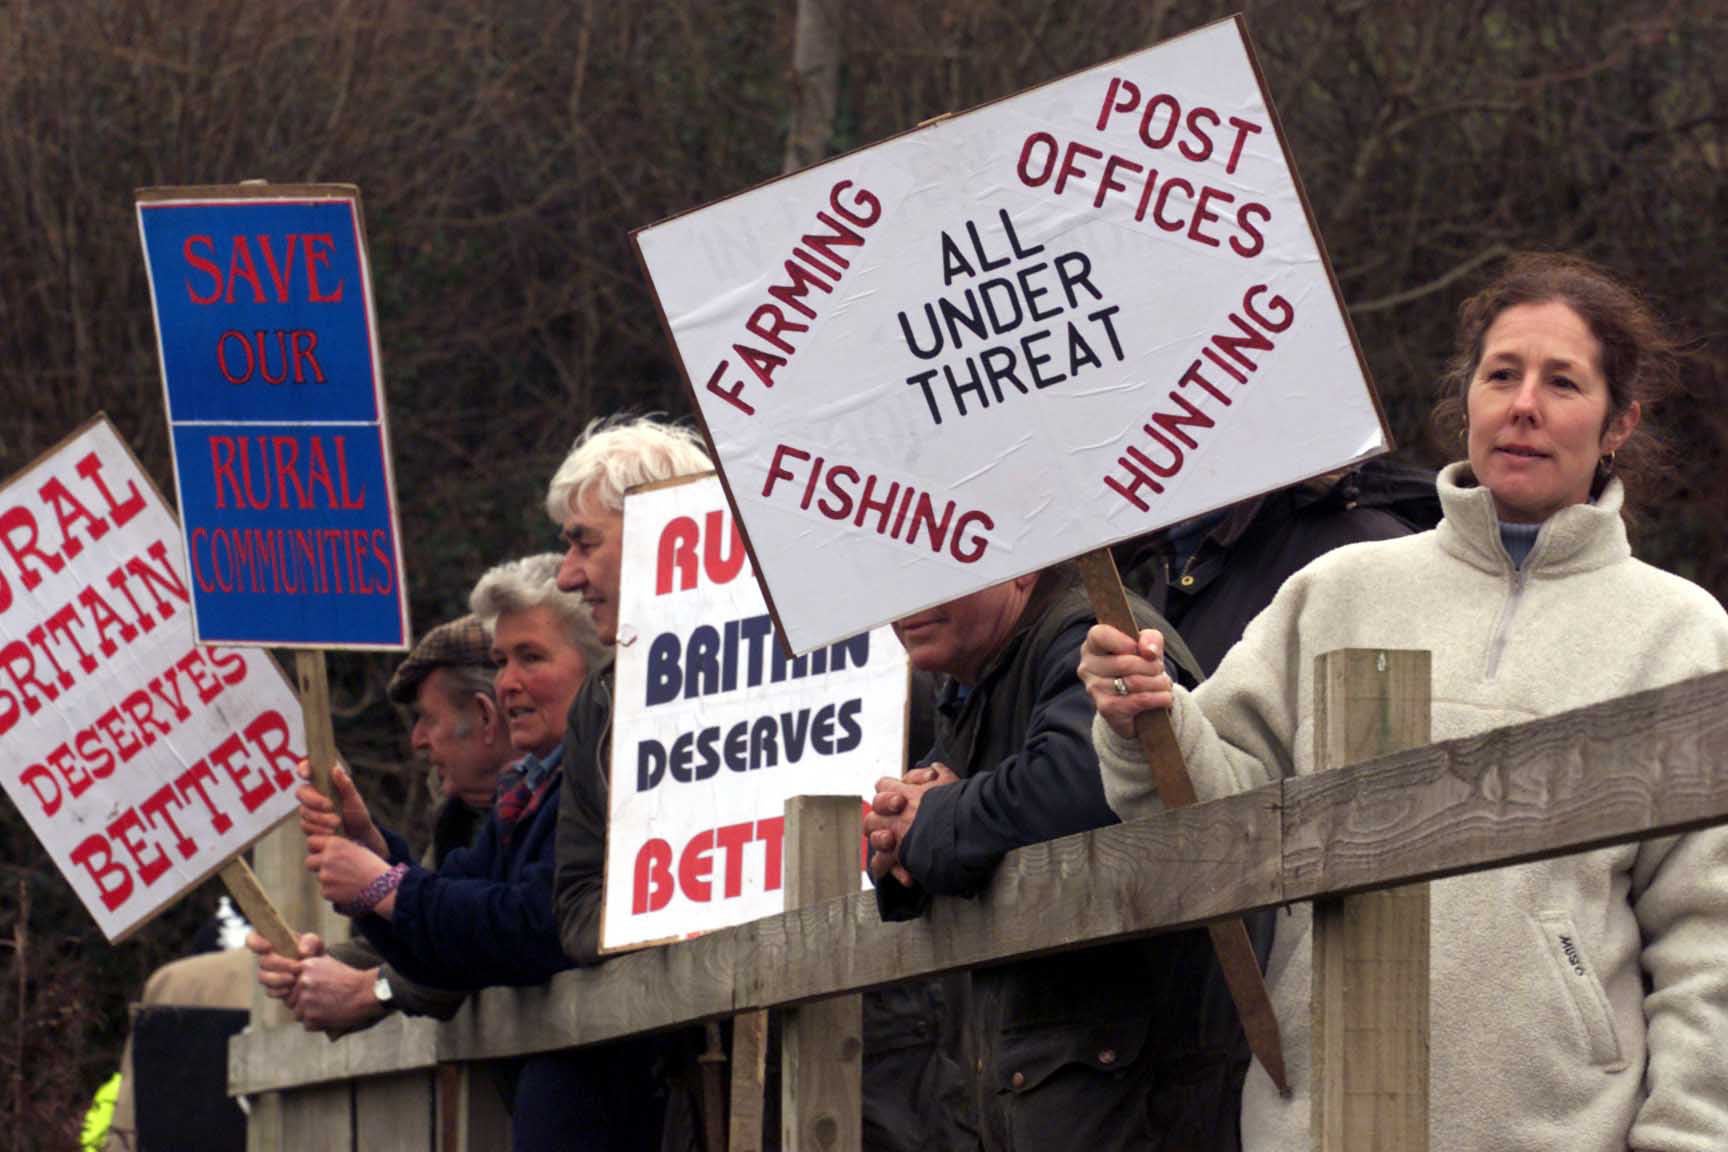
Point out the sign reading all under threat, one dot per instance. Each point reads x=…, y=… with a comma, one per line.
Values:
x=270, y=364
x=1028, y=331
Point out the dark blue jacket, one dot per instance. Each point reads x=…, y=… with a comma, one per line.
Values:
x=485, y=917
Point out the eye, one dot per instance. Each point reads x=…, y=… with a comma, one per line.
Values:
x=1500, y=375
x=1566, y=383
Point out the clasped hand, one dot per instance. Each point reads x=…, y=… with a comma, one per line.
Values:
x=892, y=812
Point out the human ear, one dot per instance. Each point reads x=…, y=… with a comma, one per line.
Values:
x=1621, y=427
x=489, y=719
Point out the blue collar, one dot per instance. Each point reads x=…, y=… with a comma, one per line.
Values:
x=532, y=770
x=1519, y=539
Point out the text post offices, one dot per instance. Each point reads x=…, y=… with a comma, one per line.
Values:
x=1013, y=336
x=715, y=727
x=142, y=761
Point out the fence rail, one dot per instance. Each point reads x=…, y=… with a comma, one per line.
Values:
x=1631, y=768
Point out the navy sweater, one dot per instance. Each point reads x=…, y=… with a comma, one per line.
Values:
x=484, y=917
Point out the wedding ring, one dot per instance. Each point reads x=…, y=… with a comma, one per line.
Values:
x=1120, y=686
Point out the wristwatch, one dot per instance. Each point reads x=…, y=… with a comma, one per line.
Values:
x=382, y=992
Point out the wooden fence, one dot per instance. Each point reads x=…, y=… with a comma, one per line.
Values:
x=1640, y=766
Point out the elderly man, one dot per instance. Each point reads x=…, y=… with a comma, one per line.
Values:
x=911, y=1093
x=460, y=732
x=1100, y=1049
x=586, y=501
x=485, y=916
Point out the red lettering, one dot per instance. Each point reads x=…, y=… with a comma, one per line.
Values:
x=121, y=512
x=652, y=890
x=722, y=569
x=68, y=511
x=147, y=858
x=694, y=866
x=678, y=550
x=113, y=882
x=19, y=534
x=305, y=342
x=1244, y=129
x=1162, y=101
x=230, y=756
x=222, y=363
x=1111, y=104
x=314, y=260
x=240, y=265
x=287, y=453
x=1069, y=168
x=156, y=811
x=1201, y=151
x=772, y=833
x=208, y=267
x=731, y=840
x=222, y=472
x=1051, y=149
x=283, y=277
x=350, y=502
x=19, y=663
x=43, y=786
x=269, y=734
x=197, y=779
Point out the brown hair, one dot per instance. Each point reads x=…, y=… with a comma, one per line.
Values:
x=1638, y=357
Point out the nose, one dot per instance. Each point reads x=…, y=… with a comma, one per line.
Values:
x=418, y=738
x=1525, y=400
x=506, y=680
x=572, y=576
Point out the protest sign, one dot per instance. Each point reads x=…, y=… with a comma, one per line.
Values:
x=142, y=761
x=714, y=726
x=270, y=365
x=1013, y=336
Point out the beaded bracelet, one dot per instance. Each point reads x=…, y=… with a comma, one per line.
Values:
x=374, y=893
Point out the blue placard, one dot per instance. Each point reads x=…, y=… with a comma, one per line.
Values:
x=264, y=320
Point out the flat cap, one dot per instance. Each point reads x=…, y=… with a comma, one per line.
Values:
x=460, y=643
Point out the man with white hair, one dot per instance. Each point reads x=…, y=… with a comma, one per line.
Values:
x=910, y=1097
x=586, y=501
x=485, y=917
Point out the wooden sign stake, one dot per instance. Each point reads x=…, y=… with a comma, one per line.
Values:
x=314, y=681
x=237, y=875
x=255, y=905
x=1176, y=790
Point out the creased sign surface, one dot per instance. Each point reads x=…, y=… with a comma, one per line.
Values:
x=1052, y=323
x=714, y=728
x=140, y=760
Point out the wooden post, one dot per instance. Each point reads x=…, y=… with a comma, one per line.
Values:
x=1370, y=1062
x=1236, y=959
x=822, y=1044
x=749, y=1073
x=471, y=1112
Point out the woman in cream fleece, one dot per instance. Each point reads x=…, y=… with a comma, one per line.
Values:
x=1578, y=1004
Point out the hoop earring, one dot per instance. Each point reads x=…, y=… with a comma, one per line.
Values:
x=1606, y=465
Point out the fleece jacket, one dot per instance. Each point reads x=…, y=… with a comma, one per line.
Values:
x=1577, y=1004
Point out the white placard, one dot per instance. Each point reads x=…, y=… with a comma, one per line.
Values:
x=1046, y=325
x=142, y=761
x=714, y=728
